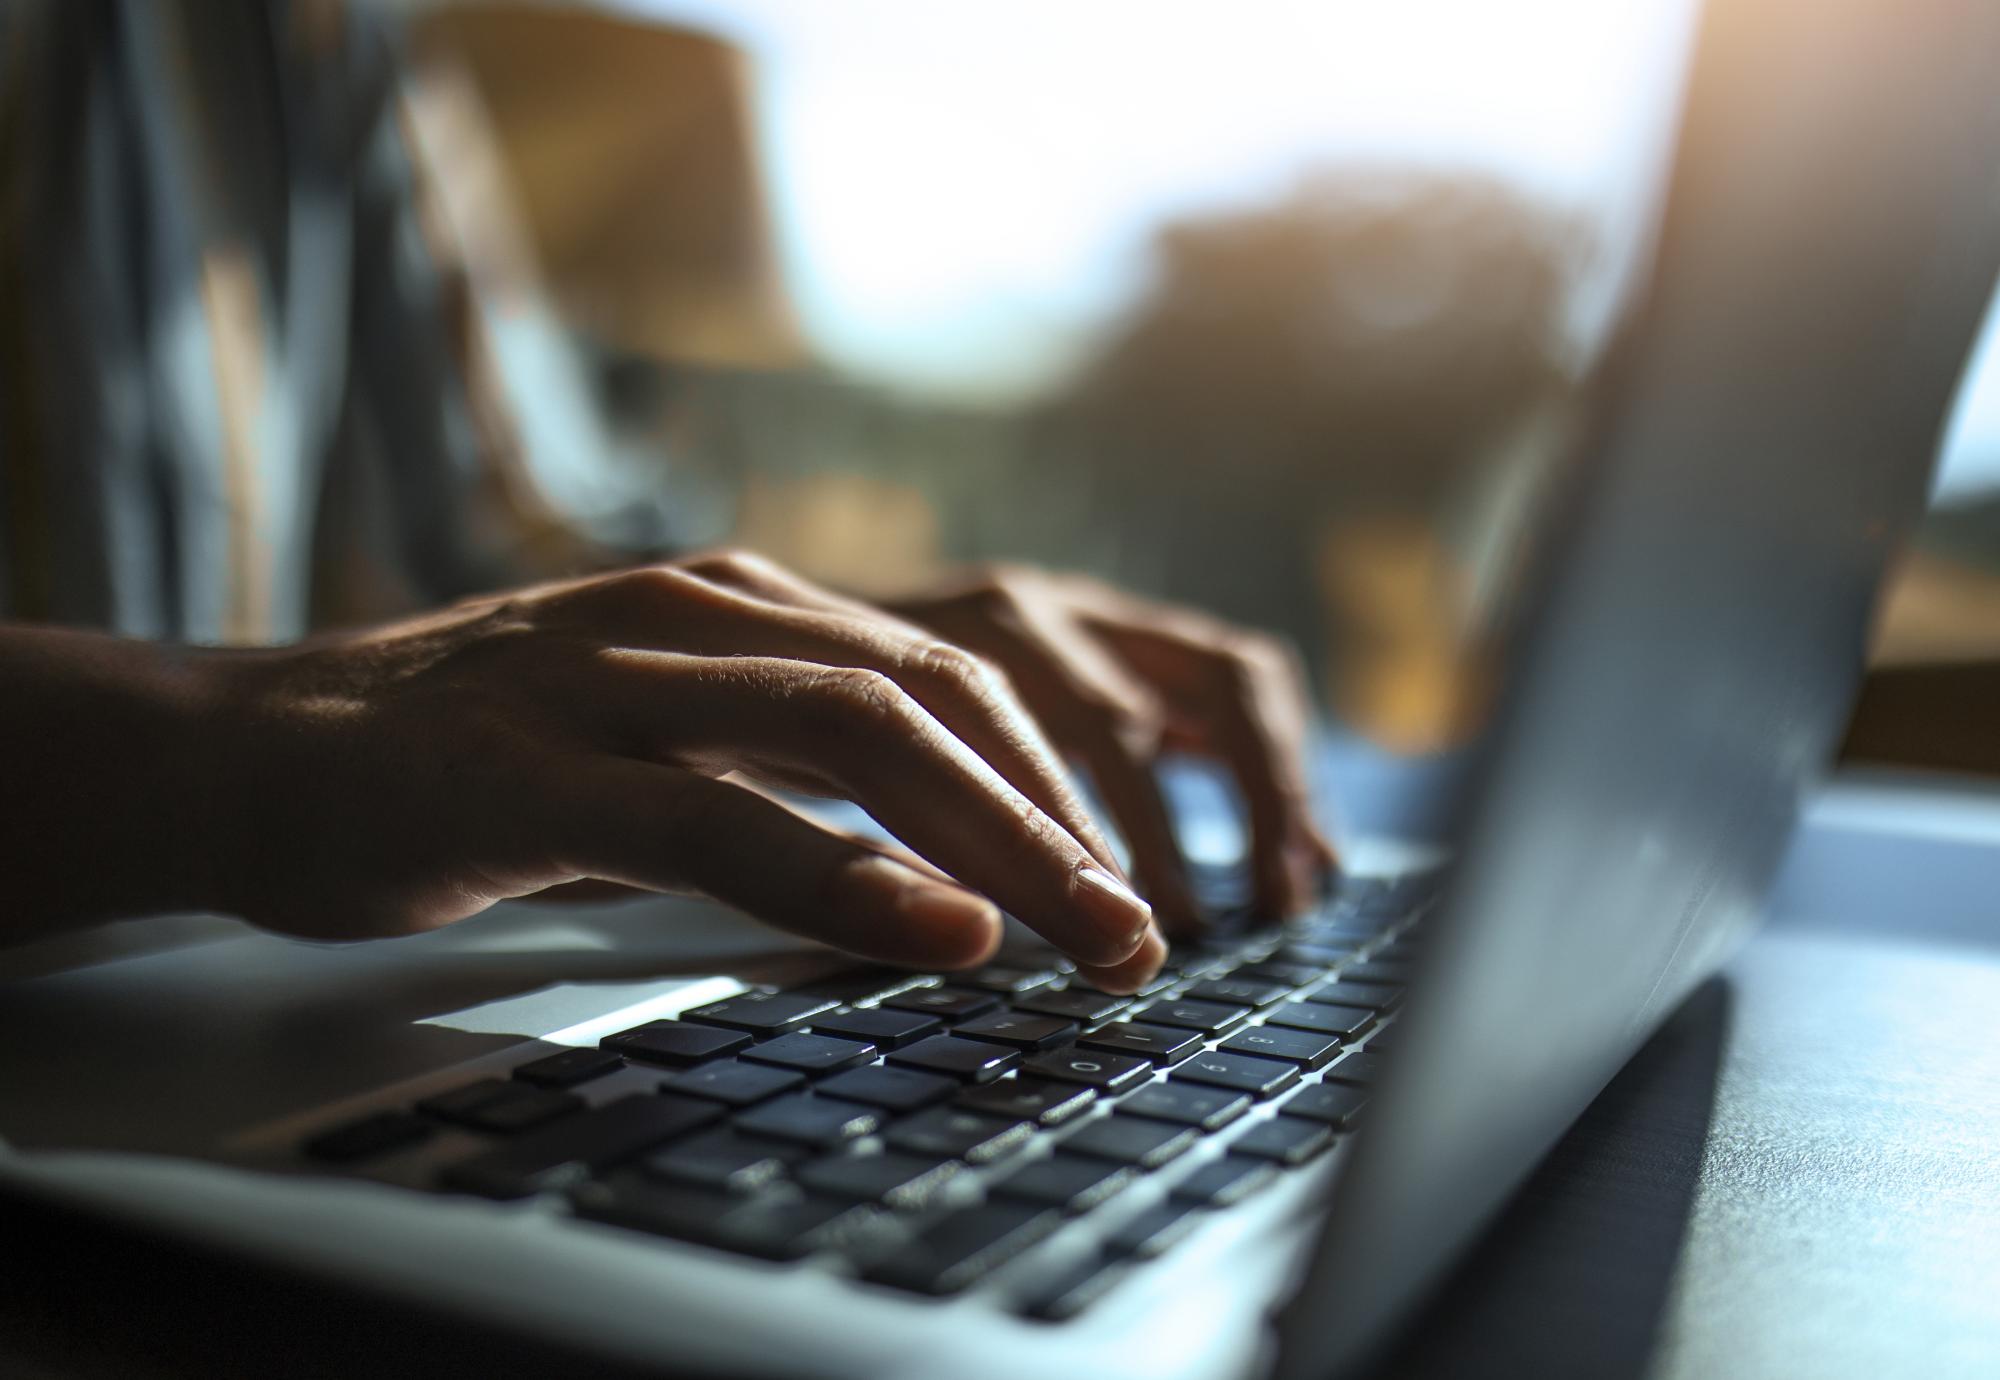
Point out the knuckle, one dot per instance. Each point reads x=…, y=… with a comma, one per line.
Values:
x=958, y=669
x=1247, y=659
x=1038, y=833
x=649, y=586
x=1004, y=592
x=858, y=694
x=732, y=562
x=1138, y=729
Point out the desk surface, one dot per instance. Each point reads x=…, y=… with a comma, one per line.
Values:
x=1847, y=1215
x=1800, y=1176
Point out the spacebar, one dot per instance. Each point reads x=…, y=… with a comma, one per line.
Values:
x=562, y=1155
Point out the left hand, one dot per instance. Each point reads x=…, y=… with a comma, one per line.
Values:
x=1115, y=680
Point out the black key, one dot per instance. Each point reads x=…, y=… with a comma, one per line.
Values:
x=1288, y=1140
x=1159, y=982
x=948, y=1131
x=1301, y=1047
x=952, y=1003
x=1109, y=1073
x=965, y=1246
x=1320, y=956
x=1378, y=1043
x=762, y=1013
x=1364, y=994
x=569, y=1068
x=971, y=1060
x=857, y=985
x=1224, y=1182
x=1155, y=1042
x=1205, y=1109
x=1373, y=971
x=1012, y=982
x=1132, y=1140
x=1379, y=995
x=1402, y=951
x=1021, y=1029
x=1076, y=1004
x=1330, y=1103
x=371, y=1135
x=674, y=1042
x=811, y=1054
x=810, y=1120
x=521, y=1107
x=778, y=1224
x=1291, y=974
x=733, y=1081
x=1196, y=962
x=499, y=1104
x=1239, y=991
x=898, y=1090
x=725, y=1160
x=1073, y=1183
x=1363, y=1068
x=1258, y=1077
x=882, y=1029
x=1206, y=1016
x=561, y=1154
x=908, y=1183
x=1028, y=1099
x=1072, y=1290
x=1155, y=1231
x=1342, y=1021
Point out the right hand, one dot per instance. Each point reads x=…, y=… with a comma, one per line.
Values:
x=406, y=777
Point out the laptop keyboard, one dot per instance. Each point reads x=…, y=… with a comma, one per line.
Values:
x=923, y=1131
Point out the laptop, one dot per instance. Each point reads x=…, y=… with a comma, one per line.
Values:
x=634, y=1142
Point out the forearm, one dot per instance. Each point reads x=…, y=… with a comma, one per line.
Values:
x=105, y=764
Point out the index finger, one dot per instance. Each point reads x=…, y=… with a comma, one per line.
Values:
x=859, y=731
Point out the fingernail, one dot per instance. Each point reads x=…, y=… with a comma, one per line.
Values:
x=1121, y=915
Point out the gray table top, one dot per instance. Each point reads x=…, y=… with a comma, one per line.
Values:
x=1800, y=1175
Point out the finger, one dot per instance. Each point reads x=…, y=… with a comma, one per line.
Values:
x=858, y=731
x=1242, y=699
x=765, y=578
x=671, y=830
x=888, y=848
x=1134, y=973
x=1112, y=722
x=671, y=607
x=1257, y=733
x=1130, y=788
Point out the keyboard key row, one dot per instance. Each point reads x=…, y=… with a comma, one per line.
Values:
x=965, y=1246
x=881, y=1027
x=565, y=1153
x=763, y=1014
x=778, y=1224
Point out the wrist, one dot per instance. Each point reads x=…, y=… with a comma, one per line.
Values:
x=111, y=812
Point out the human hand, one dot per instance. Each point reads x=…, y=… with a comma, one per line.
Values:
x=406, y=777
x=1115, y=680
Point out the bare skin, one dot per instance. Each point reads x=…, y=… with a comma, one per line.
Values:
x=624, y=729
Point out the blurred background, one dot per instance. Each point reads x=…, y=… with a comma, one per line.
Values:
x=1281, y=309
